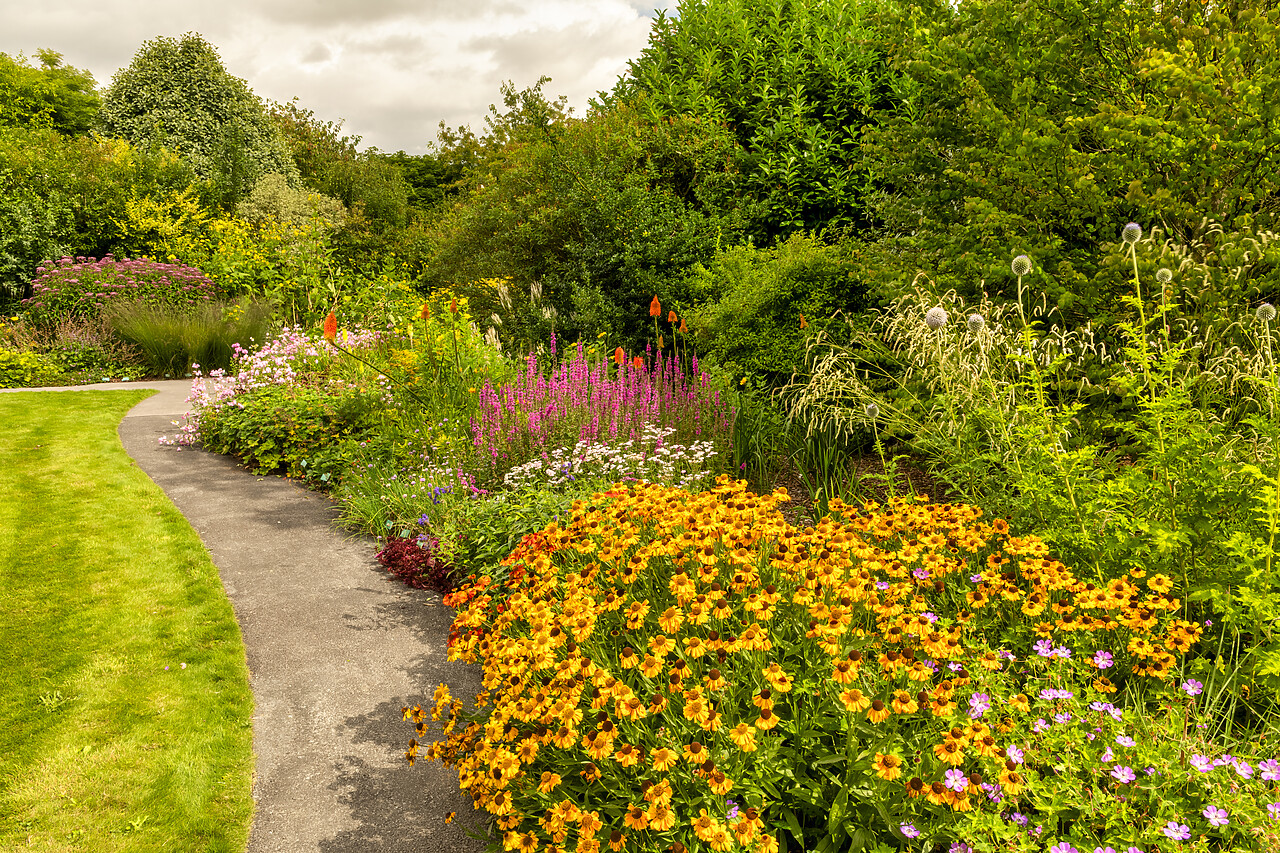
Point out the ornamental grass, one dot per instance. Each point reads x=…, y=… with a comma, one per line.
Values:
x=675, y=671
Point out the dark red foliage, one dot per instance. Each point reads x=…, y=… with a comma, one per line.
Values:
x=417, y=563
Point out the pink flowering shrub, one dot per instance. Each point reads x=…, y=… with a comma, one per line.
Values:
x=81, y=287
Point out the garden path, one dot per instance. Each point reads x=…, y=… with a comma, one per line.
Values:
x=335, y=648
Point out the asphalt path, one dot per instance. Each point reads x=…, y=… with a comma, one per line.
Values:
x=336, y=647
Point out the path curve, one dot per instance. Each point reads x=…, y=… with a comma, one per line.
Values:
x=335, y=645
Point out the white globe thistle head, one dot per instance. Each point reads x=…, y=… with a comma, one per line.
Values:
x=1266, y=312
x=935, y=318
x=976, y=322
x=872, y=410
x=1164, y=275
x=1132, y=233
x=1021, y=265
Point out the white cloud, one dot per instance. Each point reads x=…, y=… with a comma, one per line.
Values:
x=392, y=69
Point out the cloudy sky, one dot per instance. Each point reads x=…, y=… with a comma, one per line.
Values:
x=392, y=69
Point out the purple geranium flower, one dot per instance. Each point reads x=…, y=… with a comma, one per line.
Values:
x=909, y=830
x=1216, y=816
x=1177, y=831
x=1203, y=763
x=957, y=780
x=1192, y=687
x=1123, y=775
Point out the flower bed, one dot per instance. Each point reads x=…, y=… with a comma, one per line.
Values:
x=669, y=671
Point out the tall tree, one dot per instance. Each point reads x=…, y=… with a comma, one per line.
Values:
x=54, y=95
x=177, y=94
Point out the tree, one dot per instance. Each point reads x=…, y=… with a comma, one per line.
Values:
x=798, y=82
x=54, y=95
x=177, y=94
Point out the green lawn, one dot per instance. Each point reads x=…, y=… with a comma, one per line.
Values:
x=107, y=741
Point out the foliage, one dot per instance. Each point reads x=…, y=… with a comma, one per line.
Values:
x=54, y=95
x=81, y=287
x=177, y=94
x=21, y=369
x=82, y=350
x=83, y=196
x=416, y=562
x=708, y=676
x=755, y=304
x=799, y=84
x=600, y=214
x=272, y=199
x=174, y=340
x=1036, y=126
x=330, y=163
x=125, y=709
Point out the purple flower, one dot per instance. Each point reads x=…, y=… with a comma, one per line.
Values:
x=1063, y=847
x=1044, y=647
x=1108, y=756
x=1244, y=769
x=1273, y=810
x=1125, y=740
x=1103, y=660
x=957, y=780
x=1015, y=754
x=1270, y=770
x=979, y=704
x=1216, y=816
x=1040, y=725
x=1177, y=831
x=1203, y=763
x=1062, y=719
x=1192, y=687
x=1123, y=775
x=1104, y=850
x=909, y=830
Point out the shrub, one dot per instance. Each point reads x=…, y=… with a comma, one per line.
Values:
x=81, y=287
x=84, y=350
x=689, y=672
x=21, y=369
x=417, y=562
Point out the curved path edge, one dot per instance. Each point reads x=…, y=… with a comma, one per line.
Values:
x=335, y=648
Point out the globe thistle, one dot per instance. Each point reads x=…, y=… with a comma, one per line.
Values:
x=872, y=410
x=1132, y=233
x=935, y=318
x=976, y=322
x=1021, y=265
x=1164, y=275
x=1266, y=312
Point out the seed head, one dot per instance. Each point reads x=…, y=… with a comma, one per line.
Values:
x=1021, y=265
x=976, y=322
x=1164, y=275
x=1132, y=233
x=935, y=318
x=1266, y=312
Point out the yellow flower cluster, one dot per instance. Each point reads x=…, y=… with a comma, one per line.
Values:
x=663, y=651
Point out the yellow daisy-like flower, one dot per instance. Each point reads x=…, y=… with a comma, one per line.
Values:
x=767, y=719
x=627, y=658
x=663, y=759
x=635, y=817
x=743, y=737
x=878, y=712
x=888, y=767
x=854, y=700
x=548, y=781
x=950, y=751
x=661, y=817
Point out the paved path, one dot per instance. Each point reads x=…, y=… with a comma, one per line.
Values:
x=335, y=646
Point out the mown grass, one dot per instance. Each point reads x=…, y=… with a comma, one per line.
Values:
x=107, y=742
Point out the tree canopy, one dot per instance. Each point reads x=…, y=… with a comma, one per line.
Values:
x=177, y=94
x=54, y=95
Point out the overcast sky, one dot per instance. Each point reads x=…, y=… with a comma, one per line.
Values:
x=392, y=69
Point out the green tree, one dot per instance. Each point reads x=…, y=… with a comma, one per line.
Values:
x=54, y=95
x=177, y=94
x=1043, y=127
x=598, y=214
x=798, y=82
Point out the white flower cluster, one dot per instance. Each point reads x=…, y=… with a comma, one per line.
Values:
x=650, y=458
